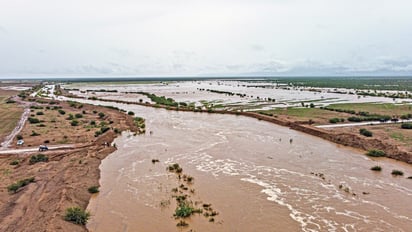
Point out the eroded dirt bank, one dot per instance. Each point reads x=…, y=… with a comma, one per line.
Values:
x=60, y=183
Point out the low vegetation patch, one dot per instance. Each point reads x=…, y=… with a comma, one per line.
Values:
x=406, y=126
x=33, y=120
x=376, y=168
x=182, y=223
x=376, y=153
x=397, y=173
x=334, y=120
x=174, y=168
x=38, y=158
x=365, y=132
x=184, y=210
x=13, y=188
x=15, y=162
x=77, y=215
x=93, y=189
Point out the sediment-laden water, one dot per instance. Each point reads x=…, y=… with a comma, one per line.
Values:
x=257, y=175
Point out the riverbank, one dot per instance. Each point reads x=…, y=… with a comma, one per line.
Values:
x=343, y=138
x=63, y=180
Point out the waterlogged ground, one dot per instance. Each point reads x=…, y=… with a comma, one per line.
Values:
x=251, y=174
x=257, y=95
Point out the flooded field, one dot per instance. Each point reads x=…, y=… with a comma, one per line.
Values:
x=248, y=95
x=257, y=175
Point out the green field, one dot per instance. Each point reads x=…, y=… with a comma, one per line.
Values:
x=9, y=116
x=374, y=108
x=372, y=83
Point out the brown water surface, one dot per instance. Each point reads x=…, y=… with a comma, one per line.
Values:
x=251, y=174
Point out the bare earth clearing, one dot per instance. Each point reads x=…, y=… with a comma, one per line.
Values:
x=64, y=180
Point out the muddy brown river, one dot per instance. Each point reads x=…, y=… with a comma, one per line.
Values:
x=254, y=176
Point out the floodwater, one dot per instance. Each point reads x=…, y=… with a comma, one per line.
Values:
x=256, y=97
x=252, y=173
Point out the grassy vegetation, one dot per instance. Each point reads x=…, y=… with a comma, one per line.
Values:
x=406, y=126
x=10, y=114
x=38, y=158
x=398, y=136
x=376, y=168
x=365, y=132
x=140, y=123
x=76, y=215
x=15, y=162
x=374, y=108
x=174, y=168
x=184, y=210
x=93, y=189
x=160, y=100
x=376, y=153
x=397, y=173
x=13, y=188
x=306, y=114
x=373, y=83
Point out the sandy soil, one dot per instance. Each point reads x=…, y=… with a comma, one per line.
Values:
x=60, y=183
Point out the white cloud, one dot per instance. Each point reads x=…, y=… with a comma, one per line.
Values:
x=160, y=37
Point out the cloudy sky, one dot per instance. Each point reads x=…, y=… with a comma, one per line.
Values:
x=205, y=38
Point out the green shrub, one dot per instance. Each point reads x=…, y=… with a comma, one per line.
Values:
x=13, y=188
x=19, y=137
x=397, y=173
x=77, y=215
x=62, y=112
x=406, y=125
x=184, y=210
x=71, y=117
x=101, y=114
x=354, y=119
x=33, y=120
x=334, y=120
x=130, y=113
x=93, y=189
x=38, y=158
x=365, y=132
x=376, y=153
x=376, y=168
x=74, y=123
x=104, y=129
x=78, y=115
x=93, y=123
x=40, y=113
